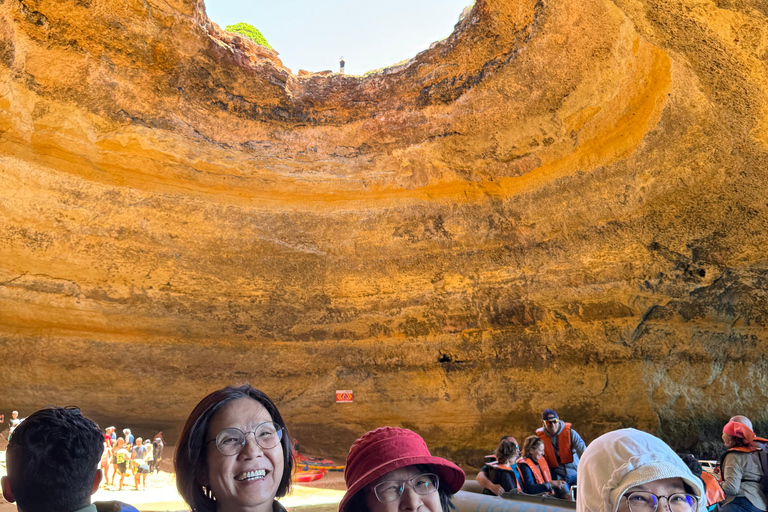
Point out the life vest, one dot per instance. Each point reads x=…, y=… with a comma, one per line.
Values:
x=503, y=467
x=742, y=449
x=714, y=492
x=563, y=446
x=540, y=471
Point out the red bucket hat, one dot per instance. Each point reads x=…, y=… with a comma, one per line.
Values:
x=388, y=448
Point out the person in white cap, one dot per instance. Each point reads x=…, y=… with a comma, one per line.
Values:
x=632, y=471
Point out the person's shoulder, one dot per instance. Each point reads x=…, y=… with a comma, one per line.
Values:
x=277, y=507
x=114, y=506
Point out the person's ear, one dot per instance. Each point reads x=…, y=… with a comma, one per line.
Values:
x=7, y=493
x=97, y=481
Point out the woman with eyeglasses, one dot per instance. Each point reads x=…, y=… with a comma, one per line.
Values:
x=631, y=471
x=234, y=453
x=390, y=469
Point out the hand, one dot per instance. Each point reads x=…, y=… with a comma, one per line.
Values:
x=497, y=489
x=558, y=484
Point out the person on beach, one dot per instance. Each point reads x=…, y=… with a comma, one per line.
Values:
x=150, y=456
x=122, y=458
x=631, y=471
x=52, y=462
x=234, y=453
x=13, y=423
x=128, y=438
x=158, y=444
x=106, y=457
x=139, y=464
x=391, y=469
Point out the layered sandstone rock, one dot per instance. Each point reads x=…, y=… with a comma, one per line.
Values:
x=561, y=205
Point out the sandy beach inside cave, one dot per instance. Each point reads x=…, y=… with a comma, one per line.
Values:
x=160, y=495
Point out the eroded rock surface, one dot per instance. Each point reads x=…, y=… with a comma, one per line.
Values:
x=561, y=205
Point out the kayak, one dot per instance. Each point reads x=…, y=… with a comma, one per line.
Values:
x=308, y=476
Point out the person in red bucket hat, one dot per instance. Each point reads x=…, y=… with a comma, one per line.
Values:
x=390, y=469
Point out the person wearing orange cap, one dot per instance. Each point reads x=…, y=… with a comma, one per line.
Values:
x=741, y=472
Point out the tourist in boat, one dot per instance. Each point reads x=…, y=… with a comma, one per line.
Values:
x=631, y=471
x=712, y=488
x=535, y=472
x=234, y=453
x=562, y=446
x=391, y=469
x=740, y=471
x=503, y=475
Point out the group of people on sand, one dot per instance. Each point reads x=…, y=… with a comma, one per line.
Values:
x=234, y=455
x=128, y=455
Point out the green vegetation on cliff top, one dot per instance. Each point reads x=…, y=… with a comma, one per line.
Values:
x=250, y=32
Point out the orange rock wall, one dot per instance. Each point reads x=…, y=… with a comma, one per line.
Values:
x=561, y=205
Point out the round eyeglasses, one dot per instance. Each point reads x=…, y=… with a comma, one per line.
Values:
x=643, y=501
x=231, y=441
x=391, y=490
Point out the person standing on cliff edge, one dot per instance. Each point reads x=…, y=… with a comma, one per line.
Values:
x=341, y=65
x=562, y=446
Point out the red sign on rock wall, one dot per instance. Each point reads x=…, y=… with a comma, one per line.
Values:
x=344, y=396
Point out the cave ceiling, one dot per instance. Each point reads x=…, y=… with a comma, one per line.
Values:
x=562, y=204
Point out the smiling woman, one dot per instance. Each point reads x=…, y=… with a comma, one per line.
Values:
x=631, y=471
x=313, y=35
x=234, y=453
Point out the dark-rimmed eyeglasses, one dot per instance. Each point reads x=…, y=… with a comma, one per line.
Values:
x=231, y=441
x=392, y=490
x=644, y=501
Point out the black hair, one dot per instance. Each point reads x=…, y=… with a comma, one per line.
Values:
x=505, y=451
x=52, y=460
x=191, y=457
x=358, y=502
x=692, y=462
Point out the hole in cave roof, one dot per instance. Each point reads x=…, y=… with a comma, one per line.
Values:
x=369, y=35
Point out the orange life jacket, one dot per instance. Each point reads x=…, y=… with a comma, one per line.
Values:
x=563, y=446
x=714, y=492
x=540, y=471
x=743, y=449
x=504, y=467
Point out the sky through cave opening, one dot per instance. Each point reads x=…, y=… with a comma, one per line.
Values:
x=369, y=35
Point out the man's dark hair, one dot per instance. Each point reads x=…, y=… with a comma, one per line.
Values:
x=191, y=457
x=52, y=460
